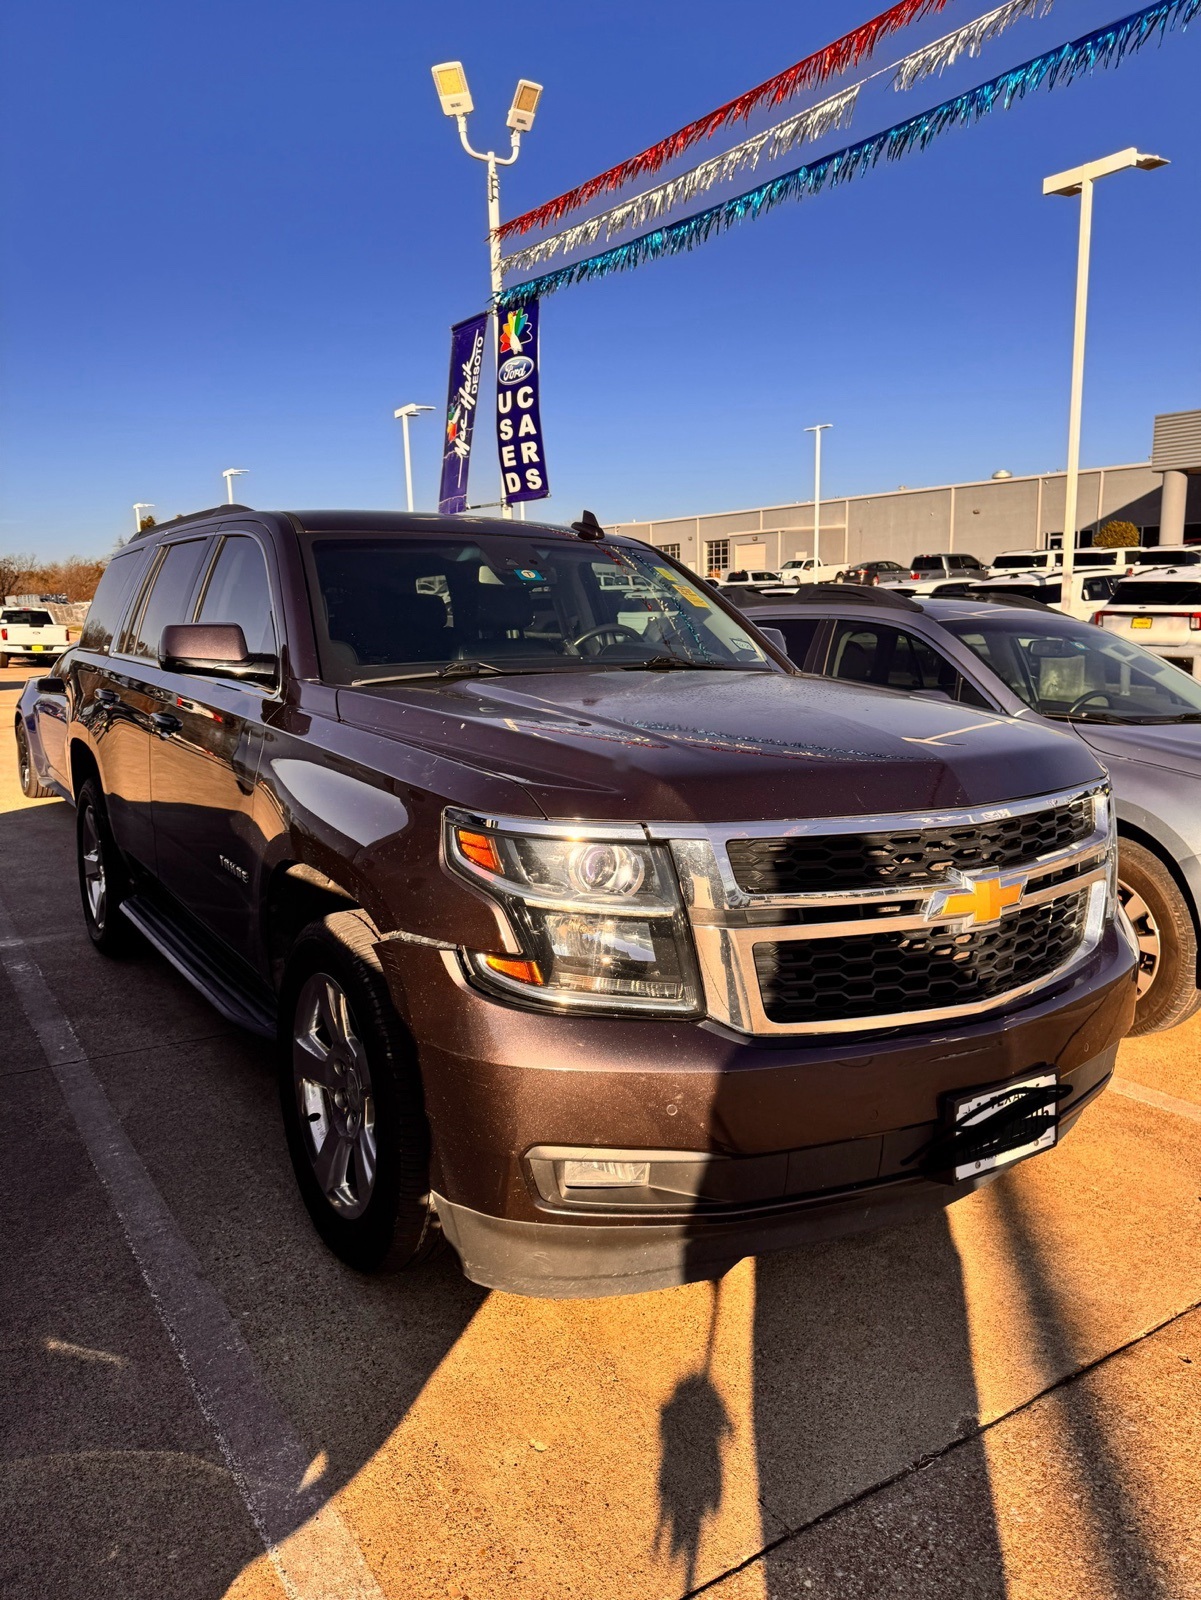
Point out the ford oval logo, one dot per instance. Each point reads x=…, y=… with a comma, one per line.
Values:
x=515, y=368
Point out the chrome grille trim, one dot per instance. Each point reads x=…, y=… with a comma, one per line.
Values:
x=726, y=928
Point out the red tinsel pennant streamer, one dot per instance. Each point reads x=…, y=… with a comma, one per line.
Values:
x=846, y=52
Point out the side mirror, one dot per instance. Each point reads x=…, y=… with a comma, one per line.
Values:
x=774, y=636
x=52, y=686
x=215, y=650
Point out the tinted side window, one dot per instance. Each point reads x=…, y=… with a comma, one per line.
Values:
x=798, y=634
x=168, y=599
x=108, y=603
x=238, y=592
x=870, y=653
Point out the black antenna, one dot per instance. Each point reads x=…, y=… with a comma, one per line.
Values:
x=588, y=527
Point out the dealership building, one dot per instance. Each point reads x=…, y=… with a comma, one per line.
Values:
x=1161, y=497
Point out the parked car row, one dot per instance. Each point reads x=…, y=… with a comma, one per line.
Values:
x=1140, y=715
x=603, y=932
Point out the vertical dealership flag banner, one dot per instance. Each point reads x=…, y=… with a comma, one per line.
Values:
x=518, y=424
x=466, y=364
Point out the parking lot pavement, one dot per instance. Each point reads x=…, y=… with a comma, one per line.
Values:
x=1000, y=1402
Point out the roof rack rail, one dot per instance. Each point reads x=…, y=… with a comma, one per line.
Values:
x=827, y=594
x=190, y=516
x=995, y=597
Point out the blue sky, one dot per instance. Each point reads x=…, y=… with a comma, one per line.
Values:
x=236, y=235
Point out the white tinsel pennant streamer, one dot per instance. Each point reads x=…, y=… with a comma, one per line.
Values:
x=812, y=123
x=1103, y=47
x=966, y=41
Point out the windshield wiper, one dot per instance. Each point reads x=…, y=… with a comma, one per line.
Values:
x=668, y=663
x=452, y=669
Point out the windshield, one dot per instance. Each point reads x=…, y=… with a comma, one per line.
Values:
x=1019, y=563
x=400, y=607
x=1071, y=670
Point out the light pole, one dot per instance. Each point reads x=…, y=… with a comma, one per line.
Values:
x=138, y=507
x=229, y=475
x=1079, y=181
x=405, y=413
x=817, y=430
x=451, y=83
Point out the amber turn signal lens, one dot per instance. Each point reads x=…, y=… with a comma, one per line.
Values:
x=479, y=848
x=522, y=971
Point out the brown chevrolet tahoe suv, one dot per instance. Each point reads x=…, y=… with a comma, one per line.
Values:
x=595, y=937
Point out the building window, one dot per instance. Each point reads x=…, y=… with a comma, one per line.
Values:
x=672, y=550
x=717, y=555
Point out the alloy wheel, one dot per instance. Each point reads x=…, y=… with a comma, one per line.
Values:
x=1147, y=936
x=92, y=856
x=334, y=1096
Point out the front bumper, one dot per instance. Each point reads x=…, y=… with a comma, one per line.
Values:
x=840, y=1115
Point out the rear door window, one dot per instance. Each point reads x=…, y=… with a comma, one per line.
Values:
x=113, y=593
x=170, y=595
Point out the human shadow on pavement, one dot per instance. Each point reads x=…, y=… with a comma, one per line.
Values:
x=111, y=1482
x=694, y=1427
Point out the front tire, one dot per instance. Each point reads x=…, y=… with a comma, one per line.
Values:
x=103, y=878
x=31, y=787
x=350, y=1093
x=1166, y=937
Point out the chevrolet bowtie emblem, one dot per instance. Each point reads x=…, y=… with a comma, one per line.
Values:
x=982, y=899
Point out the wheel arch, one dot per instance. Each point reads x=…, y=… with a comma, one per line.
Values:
x=1156, y=847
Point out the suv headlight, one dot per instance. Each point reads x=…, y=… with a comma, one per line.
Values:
x=599, y=921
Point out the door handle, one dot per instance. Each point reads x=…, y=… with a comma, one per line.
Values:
x=107, y=697
x=165, y=723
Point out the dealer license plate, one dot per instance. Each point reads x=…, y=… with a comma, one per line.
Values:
x=969, y=1110
x=1140, y=622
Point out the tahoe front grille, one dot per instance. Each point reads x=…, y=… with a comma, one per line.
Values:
x=813, y=863
x=888, y=974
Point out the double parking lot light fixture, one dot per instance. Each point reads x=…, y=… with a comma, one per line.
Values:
x=1079, y=181
x=455, y=97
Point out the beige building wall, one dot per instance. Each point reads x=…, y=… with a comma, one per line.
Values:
x=982, y=519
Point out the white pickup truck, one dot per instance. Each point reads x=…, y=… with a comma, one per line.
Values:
x=27, y=632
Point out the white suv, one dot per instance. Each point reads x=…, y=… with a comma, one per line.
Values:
x=1161, y=610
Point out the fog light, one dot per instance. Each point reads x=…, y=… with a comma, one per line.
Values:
x=606, y=1174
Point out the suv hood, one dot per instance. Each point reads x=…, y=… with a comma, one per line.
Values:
x=722, y=746
x=1174, y=745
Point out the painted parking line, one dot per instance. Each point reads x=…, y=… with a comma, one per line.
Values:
x=1153, y=1097
x=306, y=1538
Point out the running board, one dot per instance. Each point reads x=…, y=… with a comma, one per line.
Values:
x=236, y=1002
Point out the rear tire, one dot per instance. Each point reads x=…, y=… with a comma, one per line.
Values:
x=1167, y=940
x=3, y=661
x=31, y=787
x=350, y=1093
x=103, y=877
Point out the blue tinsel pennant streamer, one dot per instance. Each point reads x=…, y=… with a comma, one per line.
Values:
x=1105, y=47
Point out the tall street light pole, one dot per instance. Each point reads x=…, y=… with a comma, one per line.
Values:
x=451, y=83
x=229, y=475
x=406, y=414
x=138, y=507
x=1079, y=181
x=817, y=430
